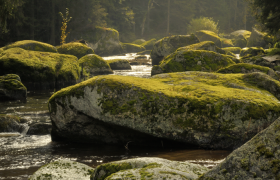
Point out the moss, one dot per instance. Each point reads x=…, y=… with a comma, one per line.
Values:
x=243, y=68
x=149, y=45
x=11, y=82
x=173, y=173
x=273, y=51
x=205, y=45
x=132, y=48
x=34, y=66
x=138, y=41
x=32, y=45
x=144, y=52
x=205, y=35
x=111, y=168
x=75, y=48
x=226, y=42
x=254, y=51
x=144, y=173
x=261, y=148
x=245, y=164
x=235, y=50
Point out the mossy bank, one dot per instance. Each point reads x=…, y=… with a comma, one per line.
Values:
x=206, y=109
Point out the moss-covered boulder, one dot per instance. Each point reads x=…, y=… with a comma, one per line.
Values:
x=259, y=39
x=32, y=45
x=235, y=50
x=11, y=88
x=272, y=51
x=63, y=170
x=257, y=159
x=168, y=45
x=146, y=52
x=149, y=45
x=211, y=110
x=119, y=64
x=226, y=42
x=39, y=129
x=240, y=38
x=204, y=45
x=10, y=123
x=205, y=35
x=93, y=65
x=104, y=41
x=139, y=41
x=132, y=48
x=148, y=168
x=248, y=68
x=40, y=70
x=272, y=62
x=251, y=51
x=75, y=48
x=193, y=60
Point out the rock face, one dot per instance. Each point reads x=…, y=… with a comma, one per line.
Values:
x=93, y=65
x=104, y=41
x=204, y=35
x=32, y=45
x=63, y=170
x=11, y=88
x=259, y=158
x=252, y=51
x=248, y=68
x=132, y=48
x=119, y=64
x=240, y=38
x=148, y=168
x=75, y=48
x=40, y=70
x=168, y=45
x=207, y=109
x=258, y=39
x=192, y=60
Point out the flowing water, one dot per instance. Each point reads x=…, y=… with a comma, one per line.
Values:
x=21, y=155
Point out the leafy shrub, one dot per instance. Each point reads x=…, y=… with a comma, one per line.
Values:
x=203, y=23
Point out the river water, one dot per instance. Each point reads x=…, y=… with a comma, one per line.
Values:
x=21, y=156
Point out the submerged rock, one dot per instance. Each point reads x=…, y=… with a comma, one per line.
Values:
x=10, y=123
x=207, y=109
x=259, y=158
x=11, y=88
x=204, y=35
x=148, y=168
x=93, y=65
x=192, y=60
x=40, y=70
x=32, y=45
x=168, y=45
x=75, y=48
x=63, y=170
x=119, y=64
x=40, y=129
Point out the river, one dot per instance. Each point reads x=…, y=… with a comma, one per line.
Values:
x=21, y=156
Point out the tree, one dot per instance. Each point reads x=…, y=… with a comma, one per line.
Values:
x=64, y=25
x=268, y=13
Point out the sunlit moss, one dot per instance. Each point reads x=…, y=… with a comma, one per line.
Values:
x=32, y=45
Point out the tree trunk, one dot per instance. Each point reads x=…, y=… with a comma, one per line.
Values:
x=52, y=41
x=32, y=33
x=168, y=18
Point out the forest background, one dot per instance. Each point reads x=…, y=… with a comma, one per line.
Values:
x=40, y=20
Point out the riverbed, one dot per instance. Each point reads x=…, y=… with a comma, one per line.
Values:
x=21, y=156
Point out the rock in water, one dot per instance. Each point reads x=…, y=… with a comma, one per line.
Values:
x=63, y=170
x=259, y=158
x=11, y=88
x=168, y=45
x=148, y=168
x=207, y=109
x=119, y=64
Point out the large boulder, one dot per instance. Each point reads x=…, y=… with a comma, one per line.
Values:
x=132, y=48
x=119, y=64
x=11, y=88
x=204, y=35
x=168, y=45
x=75, y=48
x=148, y=168
x=259, y=39
x=248, y=68
x=149, y=45
x=32, y=45
x=259, y=158
x=93, y=65
x=240, y=38
x=192, y=60
x=63, y=170
x=104, y=41
x=40, y=70
x=251, y=51
x=210, y=110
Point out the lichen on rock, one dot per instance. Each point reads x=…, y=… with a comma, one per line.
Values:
x=75, y=48
x=32, y=45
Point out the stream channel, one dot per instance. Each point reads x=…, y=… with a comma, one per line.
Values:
x=21, y=156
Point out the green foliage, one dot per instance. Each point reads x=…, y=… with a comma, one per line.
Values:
x=64, y=25
x=203, y=23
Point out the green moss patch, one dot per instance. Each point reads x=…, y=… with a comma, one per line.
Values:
x=226, y=42
x=32, y=45
x=148, y=52
x=235, y=50
x=33, y=66
x=75, y=48
x=132, y=48
x=243, y=68
x=139, y=41
x=252, y=51
x=205, y=35
x=149, y=45
x=273, y=51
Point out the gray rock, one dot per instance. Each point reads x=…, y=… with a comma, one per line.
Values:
x=148, y=168
x=259, y=39
x=63, y=170
x=272, y=62
x=40, y=129
x=9, y=123
x=259, y=158
x=119, y=64
x=11, y=88
x=240, y=38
